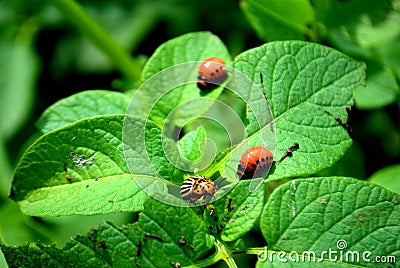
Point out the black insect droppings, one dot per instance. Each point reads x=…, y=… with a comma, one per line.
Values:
x=182, y=241
x=229, y=207
x=139, y=248
x=102, y=244
x=91, y=234
x=157, y=237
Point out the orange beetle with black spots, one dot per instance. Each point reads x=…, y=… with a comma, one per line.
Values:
x=255, y=162
x=211, y=73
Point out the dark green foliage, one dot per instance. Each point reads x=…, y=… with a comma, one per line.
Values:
x=101, y=152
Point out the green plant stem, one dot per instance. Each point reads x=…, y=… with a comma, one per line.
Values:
x=227, y=254
x=253, y=251
x=93, y=31
x=222, y=253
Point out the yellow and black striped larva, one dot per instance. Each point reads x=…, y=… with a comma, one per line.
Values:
x=197, y=187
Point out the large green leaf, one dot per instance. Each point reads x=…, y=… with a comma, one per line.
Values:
x=186, y=48
x=337, y=213
x=81, y=169
x=155, y=240
x=82, y=105
x=308, y=87
x=280, y=20
x=169, y=80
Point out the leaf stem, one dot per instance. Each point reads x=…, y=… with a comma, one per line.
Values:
x=252, y=251
x=94, y=32
x=222, y=253
x=227, y=254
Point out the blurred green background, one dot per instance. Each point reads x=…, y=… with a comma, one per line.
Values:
x=47, y=54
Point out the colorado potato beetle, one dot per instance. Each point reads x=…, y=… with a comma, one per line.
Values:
x=196, y=187
x=211, y=73
x=255, y=162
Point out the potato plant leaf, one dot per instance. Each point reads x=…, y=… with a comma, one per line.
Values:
x=82, y=105
x=192, y=146
x=277, y=20
x=308, y=87
x=338, y=213
x=381, y=88
x=155, y=240
x=238, y=210
x=387, y=177
x=169, y=79
x=81, y=169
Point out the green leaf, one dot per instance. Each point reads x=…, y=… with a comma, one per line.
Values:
x=2, y=258
x=162, y=152
x=359, y=25
x=192, y=146
x=16, y=228
x=82, y=105
x=195, y=46
x=369, y=35
x=337, y=213
x=391, y=56
x=223, y=121
x=387, y=177
x=366, y=30
x=308, y=87
x=381, y=88
x=239, y=210
x=82, y=169
x=153, y=241
x=346, y=166
x=355, y=17
x=88, y=197
x=279, y=20
x=19, y=70
x=169, y=80
x=172, y=223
